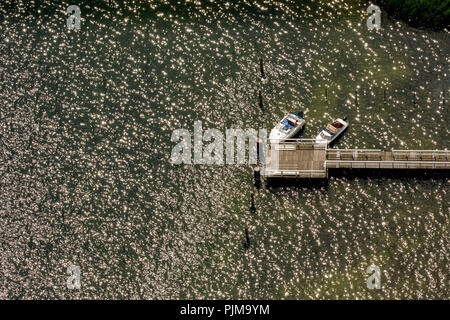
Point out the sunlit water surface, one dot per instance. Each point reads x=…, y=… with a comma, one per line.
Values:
x=85, y=125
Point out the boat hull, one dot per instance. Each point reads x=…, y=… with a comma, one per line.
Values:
x=330, y=138
x=279, y=133
x=276, y=134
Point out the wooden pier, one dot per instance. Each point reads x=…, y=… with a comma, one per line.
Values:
x=303, y=158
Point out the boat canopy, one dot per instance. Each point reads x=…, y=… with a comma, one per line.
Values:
x=296, y=115
x=288, y=124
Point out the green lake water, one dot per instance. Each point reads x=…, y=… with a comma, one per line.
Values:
x=86, y=120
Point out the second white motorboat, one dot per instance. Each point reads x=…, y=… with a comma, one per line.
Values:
x=332, y=131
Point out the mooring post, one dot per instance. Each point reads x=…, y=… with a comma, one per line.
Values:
x=414, y=98
x=261, y=67
x=326, y=95
x=247, y=237
x=261, y=157
x=384, y=97
x=257, y=176
x=252, y=207
x=260, y=99
x=258, y=146
x=356, y=97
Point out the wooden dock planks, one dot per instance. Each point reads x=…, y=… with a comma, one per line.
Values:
x=311, y=160
x=303, y=161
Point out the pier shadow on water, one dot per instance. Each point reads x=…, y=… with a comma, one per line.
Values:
x=274, y=183
x=351, y=174
x=417, y=174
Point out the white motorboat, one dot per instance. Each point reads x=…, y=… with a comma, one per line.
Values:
x=288, y=127
x=332, y=131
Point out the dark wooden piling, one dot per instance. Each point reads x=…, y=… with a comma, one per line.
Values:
x=260, y=99
x=247, y=238
x=261, y=68
x=257, y=177
x=384, y=96
x=258, y=151
x=252, y=206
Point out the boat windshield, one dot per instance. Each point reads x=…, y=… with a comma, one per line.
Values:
x=330, y=132
x=291, y=123
x=288, y=124
x=325, y=136
x=282, y=127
